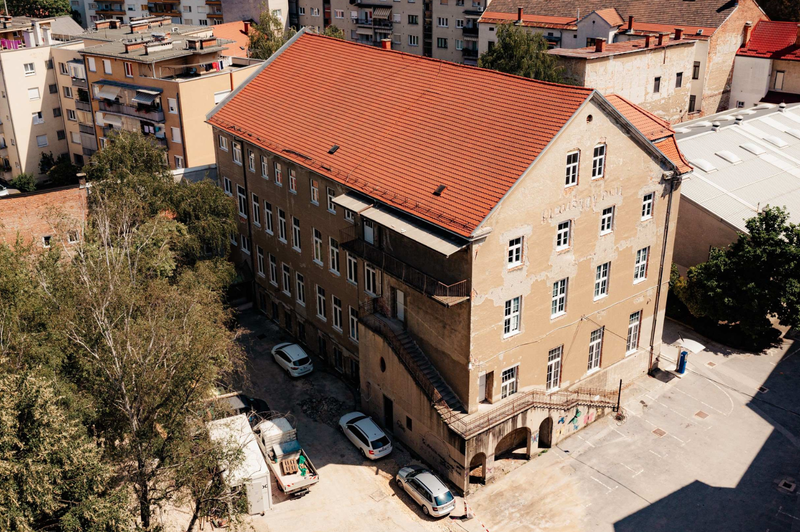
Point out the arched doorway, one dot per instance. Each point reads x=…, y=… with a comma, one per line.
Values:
x=477, y=469
x=515, y=444
x=546, y=433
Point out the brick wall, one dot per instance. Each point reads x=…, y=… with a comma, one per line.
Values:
x=58, y=213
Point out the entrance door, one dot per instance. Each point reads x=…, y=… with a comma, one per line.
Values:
x=482, y=388
x=388, y=413
x=400, y=305
x=546, y=433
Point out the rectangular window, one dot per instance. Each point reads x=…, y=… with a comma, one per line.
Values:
x=61, y=135
x=599, y=161
x=228, y=186
x=779, y=75
x=295, y=234
x=41, y=141
x=508, y=382
x=554, y=368
x=300, y=288
x=573, y=159
x=246, y=244
x=301, y=11
x=176, y=135
x=558, y=305
x=632, y=343
x=441, y=42
x=640, y=267
x=292, y=181
x=273, y=270
x=237, y=153
x=287, y=279
x=242, y=201
x=92, y=66
x=317, y=247
x=128, y=69
x=67, y=92
x=223, y=143
x=33, y=93
x=260, y=261
x=29, y=69
x=72, y=115
x=370, y=280
x=281, y=226
x=314, y=191
x=442, y=22
x=37, y=118
x=459, y=23
x=268, y=217
x=264, y=172
x=601, y=280
x=331, y=204
x=75, y=137
x=647, y=205
x=696, y=70
x=607, y=220
x=563, y=235
x=657, y=84
x=278, y=175
x=234, y=241
x=692, y=103
x=413, y=40
x=256, y=211
x=413, y=19
x=322, y=311
x=338, y=13
x=678, y=80
x=52, y=88
x=353, y=324
x=62, y=69
x=251, y=160
x=172, y=107
x=511, y=317
x=336, y=305
x=352, y=269
x=514, y=252
x=595, y=349
x=107, y=66
x=334, y=256
x=349, y=216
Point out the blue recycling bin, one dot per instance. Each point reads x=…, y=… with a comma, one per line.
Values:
x=682, y=358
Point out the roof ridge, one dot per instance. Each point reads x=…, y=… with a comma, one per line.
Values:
x=645, y=112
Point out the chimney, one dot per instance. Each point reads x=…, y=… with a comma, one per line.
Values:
x=81, y=179
x=247, y=27
x=37, y=33
x=599, y=45
x=386, y=44
x=797, y=38
x=519, y=15
x=678, y=33
x=630, y=24
x=27, y=37
x=747, y=32
x=660, y=39
x=647, y=41
x=46, y=36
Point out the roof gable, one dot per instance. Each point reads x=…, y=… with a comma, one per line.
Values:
x=773, y=40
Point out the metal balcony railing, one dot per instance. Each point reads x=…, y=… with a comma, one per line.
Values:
x=469, y=53
x=114, y=107
x=80, y=83
x=470, y=31
x=83, y=106
x=86, y=128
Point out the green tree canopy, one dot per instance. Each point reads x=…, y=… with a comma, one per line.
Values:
x=788, y=10
x=39, y=8
x=521, y=53
x=268, y=35
x=24, y=182
x=333, y=31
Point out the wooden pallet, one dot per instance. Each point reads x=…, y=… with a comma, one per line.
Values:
x=289, y=466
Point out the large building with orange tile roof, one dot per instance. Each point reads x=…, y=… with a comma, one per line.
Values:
x=483, y=269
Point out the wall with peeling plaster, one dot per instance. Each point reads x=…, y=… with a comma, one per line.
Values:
x=698, y=231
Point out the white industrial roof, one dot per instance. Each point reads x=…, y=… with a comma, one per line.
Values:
x=235, y=432
x=751, y=160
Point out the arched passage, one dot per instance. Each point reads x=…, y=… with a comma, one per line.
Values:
x=514, y=441
x=477, y=469
x=546, y=433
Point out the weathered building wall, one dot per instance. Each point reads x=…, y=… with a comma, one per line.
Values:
x=698, y=231
x=750, y=81
x=791, y=78
x=55, y=213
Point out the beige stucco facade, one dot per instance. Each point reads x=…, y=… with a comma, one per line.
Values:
x=698, y=231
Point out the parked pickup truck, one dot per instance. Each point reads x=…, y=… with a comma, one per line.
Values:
x=288, y=461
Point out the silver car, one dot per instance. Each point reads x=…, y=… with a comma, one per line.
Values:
x=426, y=488
x=293, y=359
x=366, y=435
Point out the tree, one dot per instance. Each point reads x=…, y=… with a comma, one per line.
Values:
x=788, y=10
x=60, y=171
x=333, y=31
x=24, y=182
x=39, y=8
x=521, y=53
x=268, y=35
x=756, y=277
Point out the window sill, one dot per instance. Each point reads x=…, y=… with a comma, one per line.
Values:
x=562, y=250
x=552, y=390
x=287, y=293
x=337, y=329
x=270, y=233
x=592, y=371
x=353, y=340
x=315, y=203
x=278, y=184
x=318, y=263
x=320, y=318
x=514, y=267
x=262, y=275
x=234, y=162
x=511, y=335
x=558, y=315
x=600, y=297
x=604, y=233
x=297, y=249
x=257, y=224
x=224, y=149
x=370, y=294
x=274, y=284
x=632, y=351
x=334, y=272
x=571, y=185
x=332, y=212
x=293, y=191
x=301, y=303
x=646, y=218
x=283, y=241
x=637, y=281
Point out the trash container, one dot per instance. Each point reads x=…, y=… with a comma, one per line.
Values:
x=682, y=358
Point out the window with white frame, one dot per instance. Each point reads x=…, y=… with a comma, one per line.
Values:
x=33, y=93
x=353, y=324
x=314, y=191
x=251, y=160
x=264, y=172
x=459, y=44
x=37, y=118
x=128, y=69
x=607, y=220
x=599, y=161
x=63, y=69
x=554, y=368
x=334, y=256
x=172, y=108
x=260, y=261
x=234, y=239
x=634, y=321
x=273, y=270
x=647, y=205
x=317, y=247
x=223, y=143
x=246, y=244
x=92, y=65
x=595, y=349
x=176, y=135
x=256, y=211
x=292, y=181
x=278, y=175
x=237, y=153
x=514, y=252
x=338, y=13
x=331, y=204
x=352, y=269
x=601, y=280
x=511, y=316
x=573, y=161
x=314, y=11
x=287, y=279
x=413, y=40
x=301, y=11
x=242, y=201
x=281, y=226
x=336, y=306
x=178, y=161
x=640, y=266
x=563, y=235
x=107, y=66
x=29, y=69
x=349, y=216
x=300, y=288
x=67, y=92
x=442, y=22
x=558, y=305
x=508, y=382
x=370, y=279
x=459, y=23
x=268, y=217
x=322, y=311
x=296, y=234
x=228, y=187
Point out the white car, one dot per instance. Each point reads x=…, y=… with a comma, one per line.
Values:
x=366, y=435
x=293, y=359
x=426, y=488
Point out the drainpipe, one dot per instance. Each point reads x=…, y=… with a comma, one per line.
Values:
x=672, y=179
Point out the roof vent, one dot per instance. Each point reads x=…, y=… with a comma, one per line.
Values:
x=704, y=165
x=439, y=190
x=753, y=148
x=739, y=119
x=782, y=107
x=729, y=156
x=333, y=149
x=700, y=31
x=777, y=141
x=714, y=126
x=794, y=132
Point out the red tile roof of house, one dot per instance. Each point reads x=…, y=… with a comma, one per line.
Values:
x=42, y=213
x=773, y=40
x=234, y=31
x=611, y=16
x=404, y=124
x=530, y=21
x=618, y=48
x=657, y=130
x=647, y=28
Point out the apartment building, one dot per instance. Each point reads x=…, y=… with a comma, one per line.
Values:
x=188, y=12
x=487, y=287
x=158, y=78
x=443, y=29
x=718, y=28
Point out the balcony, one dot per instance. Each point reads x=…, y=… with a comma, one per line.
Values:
x=446, y=294
x=382, y=23
x=154, y=115
x=470, y=31
x=86, y=128
x=80, y=105
x=470, y=53
x=80, y=83
x=88, y=152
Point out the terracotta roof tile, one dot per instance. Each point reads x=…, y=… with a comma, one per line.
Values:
x=405, y=124
x=669, y=147
x=611, y=16
x=618, y=48
x=773, y=40
x=235, y=32
x=531, y=21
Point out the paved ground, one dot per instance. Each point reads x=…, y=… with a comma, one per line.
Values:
x=702, y=453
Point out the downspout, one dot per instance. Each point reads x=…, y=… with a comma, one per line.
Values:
x=661, y=273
